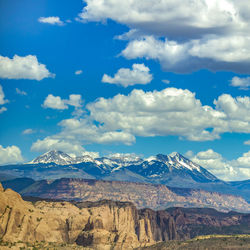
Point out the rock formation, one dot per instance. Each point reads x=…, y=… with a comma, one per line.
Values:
x=104, y=224
x=141, y=194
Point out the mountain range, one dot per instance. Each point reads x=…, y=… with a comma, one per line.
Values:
x=173, y=170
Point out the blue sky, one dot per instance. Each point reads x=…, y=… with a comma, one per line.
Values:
x=127, y=77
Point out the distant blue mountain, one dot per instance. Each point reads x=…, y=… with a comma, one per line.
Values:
x=173, y=170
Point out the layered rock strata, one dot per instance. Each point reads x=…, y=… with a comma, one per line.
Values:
x=105, y=224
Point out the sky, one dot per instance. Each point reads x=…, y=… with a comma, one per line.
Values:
x=101, y=77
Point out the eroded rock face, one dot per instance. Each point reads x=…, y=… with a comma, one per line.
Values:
x=43, y=221
x=157, y=197
x=104, y=224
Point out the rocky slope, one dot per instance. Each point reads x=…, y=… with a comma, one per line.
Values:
x=106, y=224
x=101, y=226
x=141, y=194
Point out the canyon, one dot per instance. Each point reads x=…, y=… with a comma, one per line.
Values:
x=108, y=224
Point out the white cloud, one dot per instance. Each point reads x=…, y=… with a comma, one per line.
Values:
x=212, y=53
x=91, y=154
x=26, y=67
x=86, y=131
x=2, y=100
x=2, y=96
x=56, y=102
x=76, y=132
x=74, y=100
x=54, y=20
x=198, y=34
x=167, y=17
x=73, y=148
x=189, y=154
x=242, y=83
x=10, y=154
x=125, y=156
x=78, y=72
x=165, y=81
x=144, y=113
x=66, y=146
x=236, y=111
x=238, y=169
x=139, y=74
x=20, y=92
x=244, y=162
x=247, y=142
x=28, y=131
x=170, y=111
x=3, y=109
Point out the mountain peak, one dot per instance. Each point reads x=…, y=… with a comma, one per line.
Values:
x=53, y=156
x=174, y=154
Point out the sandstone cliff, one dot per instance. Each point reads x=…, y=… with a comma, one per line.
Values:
x=105, y=224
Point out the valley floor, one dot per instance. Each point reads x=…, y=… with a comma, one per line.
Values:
x=212, y=242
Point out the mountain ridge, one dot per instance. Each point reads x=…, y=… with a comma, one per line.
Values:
x=143, y=195
x=172, y=170
x=172, y=161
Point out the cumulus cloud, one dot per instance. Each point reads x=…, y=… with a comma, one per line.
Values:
x=238, y=169
x=139, y=74
x=76, y=132
x=78, y=72
x=74, y=100
x=144, y=113
x=54, y=20
x=73, y=148
x=26, y=67
x=2, y=96
x=175, y=18
x=91, y=154
x=28, y=131
x=236, y=111
x=165, y=81
x=56, y=102
x=3, y=109
x=66, y=146
x=20, y=92
x=214, y=53
x=197, y=34
x=242, y=83
x=244, y=162
x=170, y=111
x=86, y=131
x=125, y=156
x=247, y=142
x=2, y=100
x=10, y=154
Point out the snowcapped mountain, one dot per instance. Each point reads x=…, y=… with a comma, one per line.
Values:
x=156, y=169
x=175, y=163
x=61, y=158
x=53, y=156
x=173, y=170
